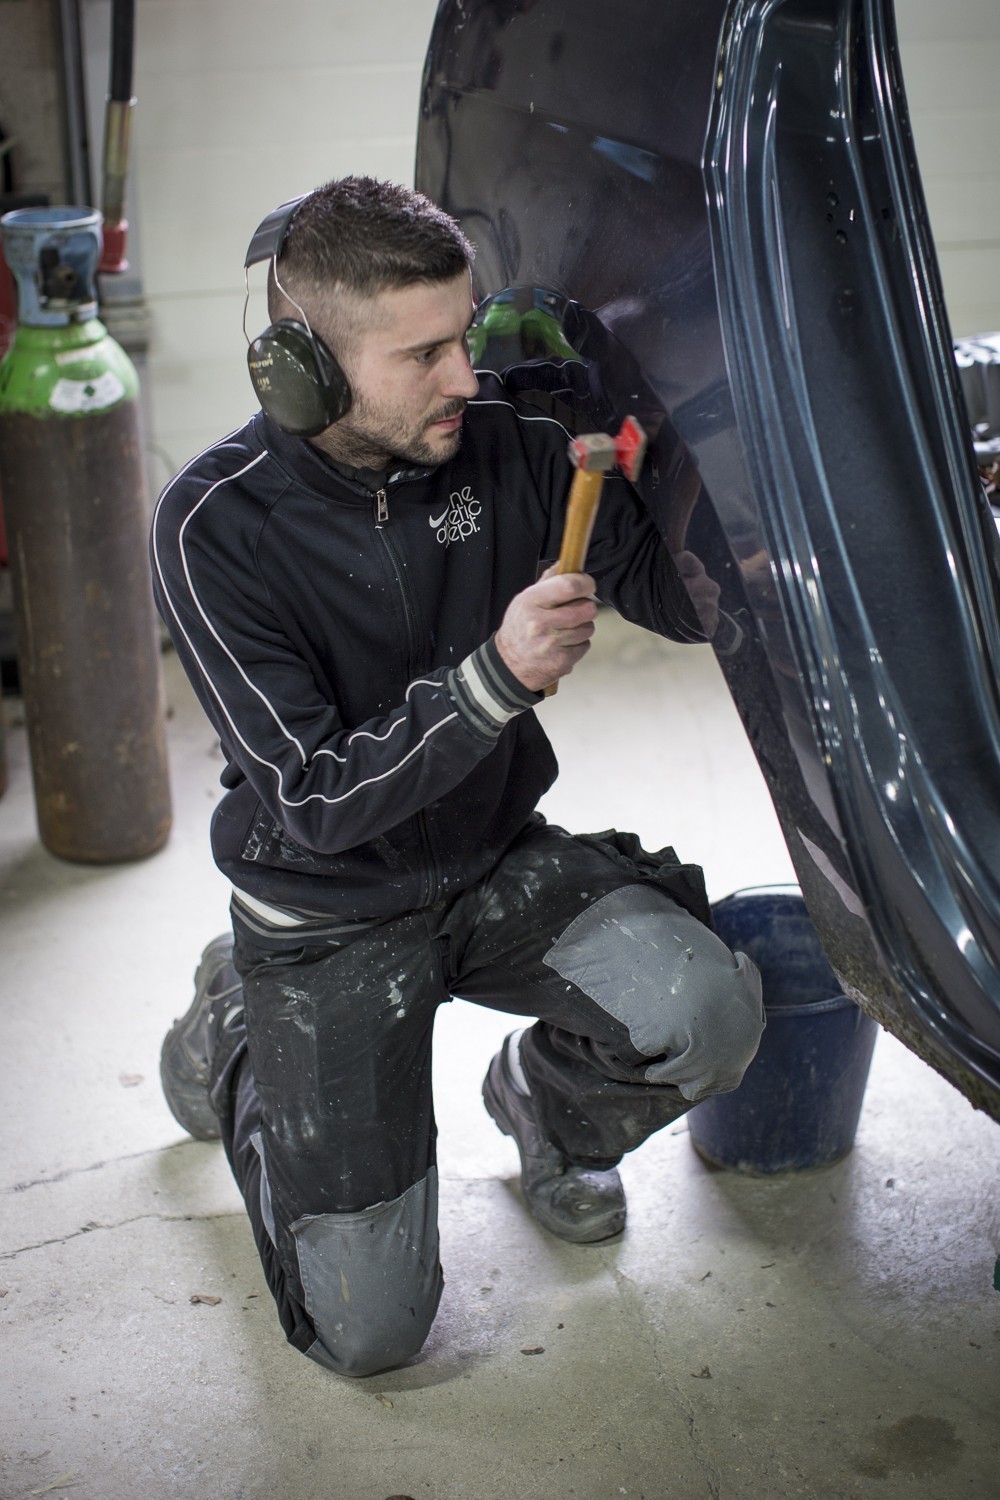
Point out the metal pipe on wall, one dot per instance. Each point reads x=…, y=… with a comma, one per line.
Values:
x=76, y=135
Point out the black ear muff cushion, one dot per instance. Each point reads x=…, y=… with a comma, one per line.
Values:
x=298, y=382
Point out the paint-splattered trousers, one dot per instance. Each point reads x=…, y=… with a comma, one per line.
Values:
x=325, y=1095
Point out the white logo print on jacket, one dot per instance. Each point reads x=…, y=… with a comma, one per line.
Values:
x=459, y=520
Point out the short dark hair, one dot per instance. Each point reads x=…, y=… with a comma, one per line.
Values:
x=366, y=237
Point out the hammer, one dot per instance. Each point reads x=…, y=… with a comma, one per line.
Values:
x=592, y=456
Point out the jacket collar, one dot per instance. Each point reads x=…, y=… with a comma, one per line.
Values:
x=314, y=469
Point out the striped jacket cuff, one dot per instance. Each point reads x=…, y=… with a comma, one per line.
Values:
x=487, y=692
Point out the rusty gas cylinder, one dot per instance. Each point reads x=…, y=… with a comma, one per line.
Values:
x=74, y=497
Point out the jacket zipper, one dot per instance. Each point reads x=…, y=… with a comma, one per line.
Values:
x=429, y=885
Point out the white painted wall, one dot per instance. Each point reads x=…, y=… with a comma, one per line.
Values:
x=243, y=103
x=950, y=52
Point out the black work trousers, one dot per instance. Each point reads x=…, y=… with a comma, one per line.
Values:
x=325, y=1096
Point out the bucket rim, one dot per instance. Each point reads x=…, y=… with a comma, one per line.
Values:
x=56, y=216
x=813, y=1007
x=788, y=891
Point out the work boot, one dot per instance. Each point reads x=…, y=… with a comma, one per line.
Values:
x=190, y=1044
x=576, y=1203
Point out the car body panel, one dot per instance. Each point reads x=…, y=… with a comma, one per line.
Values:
x=710, y=215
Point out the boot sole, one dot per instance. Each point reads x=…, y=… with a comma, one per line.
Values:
x=184, y=1087
x=187, y=1098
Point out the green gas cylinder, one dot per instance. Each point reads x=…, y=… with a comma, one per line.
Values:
x=74, y=497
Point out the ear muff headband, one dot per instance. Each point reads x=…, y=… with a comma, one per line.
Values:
x=269, y=236
x=298, y=382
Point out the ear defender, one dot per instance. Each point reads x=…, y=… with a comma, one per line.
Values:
x=298, y=382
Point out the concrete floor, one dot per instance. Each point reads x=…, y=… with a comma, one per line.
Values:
x=830, y=1334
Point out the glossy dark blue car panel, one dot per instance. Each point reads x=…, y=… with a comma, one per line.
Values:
x=711, y=215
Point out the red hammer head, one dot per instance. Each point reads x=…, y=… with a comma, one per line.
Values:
x=599, y=451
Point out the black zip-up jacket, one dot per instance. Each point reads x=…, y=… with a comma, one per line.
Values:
x=379, y=754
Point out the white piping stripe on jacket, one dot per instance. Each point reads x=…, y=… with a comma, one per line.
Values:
x=488, y=401
x=268, y=765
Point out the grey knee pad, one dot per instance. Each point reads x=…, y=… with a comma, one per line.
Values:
x=689, y=1004
x=372, y=1280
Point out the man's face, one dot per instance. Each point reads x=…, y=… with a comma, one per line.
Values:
x=410, y=374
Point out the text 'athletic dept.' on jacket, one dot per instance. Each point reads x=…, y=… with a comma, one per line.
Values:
x=379, y=754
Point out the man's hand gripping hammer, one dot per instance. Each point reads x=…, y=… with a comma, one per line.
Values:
x=592, y=456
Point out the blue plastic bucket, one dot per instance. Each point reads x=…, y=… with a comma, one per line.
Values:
x=799, y=1103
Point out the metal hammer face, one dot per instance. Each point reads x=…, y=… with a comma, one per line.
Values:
x=597, y=452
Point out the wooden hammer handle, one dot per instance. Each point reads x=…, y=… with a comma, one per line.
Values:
x=584, y=497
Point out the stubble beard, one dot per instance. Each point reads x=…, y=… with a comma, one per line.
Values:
x=373, y=437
